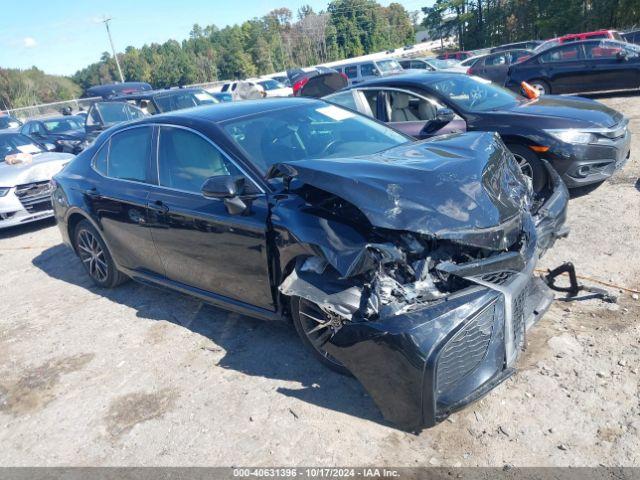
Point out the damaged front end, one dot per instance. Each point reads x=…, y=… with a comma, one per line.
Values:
x=422, y=258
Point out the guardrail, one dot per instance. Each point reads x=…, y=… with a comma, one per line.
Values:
x=50, y=109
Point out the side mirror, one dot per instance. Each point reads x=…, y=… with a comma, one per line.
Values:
x=443, y=117
x=49, y=147
x=223, y=186
x=622, y=55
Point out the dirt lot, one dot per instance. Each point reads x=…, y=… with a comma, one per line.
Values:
x=138, y=376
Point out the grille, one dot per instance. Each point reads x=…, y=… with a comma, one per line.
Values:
x=518, y=318
x=498, y=278
x=466, y=350
x=35, y=197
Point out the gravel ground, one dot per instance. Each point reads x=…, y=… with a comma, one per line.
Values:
x=139, y=376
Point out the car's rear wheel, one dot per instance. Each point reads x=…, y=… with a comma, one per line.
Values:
x=530, y=165
x=541, y=86
x=95, y=256
x=316, y=327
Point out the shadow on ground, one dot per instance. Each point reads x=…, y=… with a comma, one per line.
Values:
x=26, y=228
x=253, y=347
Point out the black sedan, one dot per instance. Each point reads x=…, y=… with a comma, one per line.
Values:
x=66, y=132
x=298, y=209
x=584, y=140
x=586, y=66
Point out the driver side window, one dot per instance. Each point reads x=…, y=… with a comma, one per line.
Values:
x=186, y=160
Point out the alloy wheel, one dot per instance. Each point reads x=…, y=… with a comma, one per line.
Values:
x=92, y=256
x=319, y=326
x=539, y=87
x=525, y=166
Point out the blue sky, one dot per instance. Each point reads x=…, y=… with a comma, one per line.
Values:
x=62, y=36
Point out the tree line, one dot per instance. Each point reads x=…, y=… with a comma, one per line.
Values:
x=347, y=28
x=275, y=42
x=22, y=88
x=485, y=23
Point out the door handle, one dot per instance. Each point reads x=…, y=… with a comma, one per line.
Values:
x=159, y=206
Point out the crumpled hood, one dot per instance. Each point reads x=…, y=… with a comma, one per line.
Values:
x=462, y=187
x=579, y=112
x=43, y=167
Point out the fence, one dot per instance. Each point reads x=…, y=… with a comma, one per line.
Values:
x=49, y=109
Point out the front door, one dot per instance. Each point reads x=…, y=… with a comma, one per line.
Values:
x=200, y=243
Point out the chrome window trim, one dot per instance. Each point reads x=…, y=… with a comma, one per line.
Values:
x=211, y=142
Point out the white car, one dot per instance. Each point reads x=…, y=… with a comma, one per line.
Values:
x=26, y=169
x=244, y=90
x=274, y=88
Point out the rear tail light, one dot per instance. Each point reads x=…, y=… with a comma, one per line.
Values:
x=299, y=84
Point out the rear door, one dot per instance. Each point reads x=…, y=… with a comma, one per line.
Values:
x=118, y=200
x=608, y=69
x=200, y=243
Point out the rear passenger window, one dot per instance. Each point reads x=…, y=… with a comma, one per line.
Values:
x=186, y=160
x=129, y=154
x=100, y=160
x=351, y=72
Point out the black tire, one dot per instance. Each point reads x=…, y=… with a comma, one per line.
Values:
x=530, y=165
x=543, y=87
x=312, y=343
x=95, y=256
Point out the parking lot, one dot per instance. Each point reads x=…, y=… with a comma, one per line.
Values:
x=140, y=376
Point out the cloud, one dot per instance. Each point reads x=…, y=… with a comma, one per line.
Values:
x=29, y=42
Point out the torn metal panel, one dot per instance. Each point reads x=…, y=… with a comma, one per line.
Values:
x=468, y=188
x=324, y=289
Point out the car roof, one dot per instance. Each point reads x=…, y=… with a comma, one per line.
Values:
x=410, y=78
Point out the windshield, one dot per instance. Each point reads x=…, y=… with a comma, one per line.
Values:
x=386, y=66
x=167, y=102
x=440, y=63
x=17, y=143
x=271, y=84
x=474, y=94
x=60, y=125
x=318, y=130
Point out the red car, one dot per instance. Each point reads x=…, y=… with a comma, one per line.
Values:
x=455, y=56
x=576, y=37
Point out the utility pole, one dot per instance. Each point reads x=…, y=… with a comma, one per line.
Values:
x=106, y=21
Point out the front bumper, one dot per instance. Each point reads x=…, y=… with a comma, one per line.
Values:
x=421, y=366
x=580, y=165
x=426, y=363
x=30, y=208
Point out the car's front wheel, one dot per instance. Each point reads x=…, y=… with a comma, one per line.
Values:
x=530, y=165
x=95, y=256
x=315, y=327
